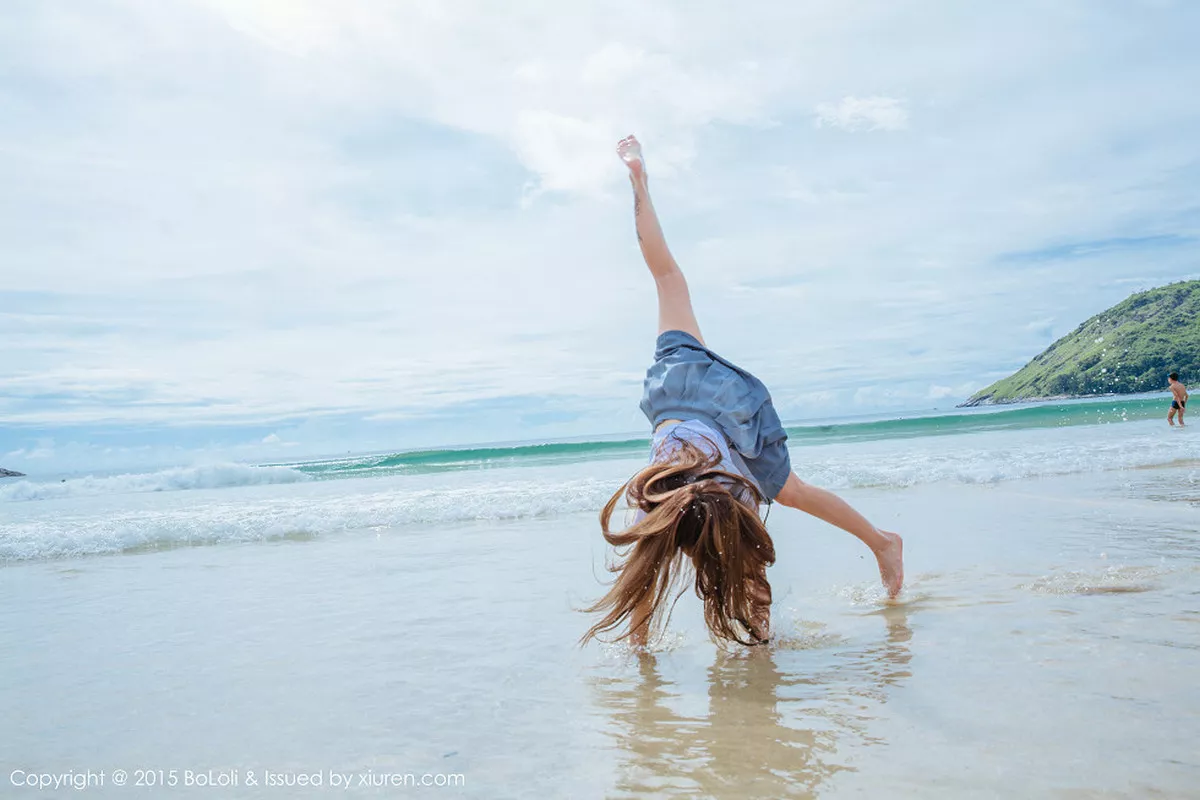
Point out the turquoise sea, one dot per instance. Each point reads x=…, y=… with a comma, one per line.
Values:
x=209, y=503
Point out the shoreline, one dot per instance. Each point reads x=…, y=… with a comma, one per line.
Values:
x=988, y=401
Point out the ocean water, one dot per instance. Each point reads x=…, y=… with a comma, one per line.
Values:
x=215, y=503
x=412, y=617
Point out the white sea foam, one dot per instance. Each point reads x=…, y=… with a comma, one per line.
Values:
x=1012, y=456
x=108, y=515
x=212, y=476
x=1112, y=580
x=55, y=535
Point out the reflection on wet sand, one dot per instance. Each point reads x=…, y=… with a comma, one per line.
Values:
x=778, y=724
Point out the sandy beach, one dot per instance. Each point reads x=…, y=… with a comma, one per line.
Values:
x=1046, y=646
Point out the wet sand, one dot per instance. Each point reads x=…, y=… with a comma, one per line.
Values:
x=1048, y=645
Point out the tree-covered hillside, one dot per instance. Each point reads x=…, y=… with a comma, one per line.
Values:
x=1128, y=348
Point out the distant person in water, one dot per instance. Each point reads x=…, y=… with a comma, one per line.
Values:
x=718, y=453
x=1179, y=395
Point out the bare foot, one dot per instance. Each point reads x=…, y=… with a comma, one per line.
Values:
x=630, y=151
x=891, y=564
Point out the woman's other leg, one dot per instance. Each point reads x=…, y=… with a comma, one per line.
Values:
x=674, y=301
x=888, y=547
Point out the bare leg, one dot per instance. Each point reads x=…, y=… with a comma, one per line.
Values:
x=1171, y=417
x=674, y=301
x=888, y=547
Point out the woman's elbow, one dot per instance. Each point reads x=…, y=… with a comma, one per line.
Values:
x=793, y=493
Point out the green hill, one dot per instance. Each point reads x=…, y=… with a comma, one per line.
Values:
x=1129, y=348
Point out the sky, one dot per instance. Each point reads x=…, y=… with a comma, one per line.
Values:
x=268, y=229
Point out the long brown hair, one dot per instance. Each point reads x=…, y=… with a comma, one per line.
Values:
x=692, y=509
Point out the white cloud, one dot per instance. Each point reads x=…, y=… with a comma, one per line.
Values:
x=1042, y=328
x=864, y=114
x=42, y=451
x=261, y=210
x=569, y=154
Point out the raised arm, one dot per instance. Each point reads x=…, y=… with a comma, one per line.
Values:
x=674, y=301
